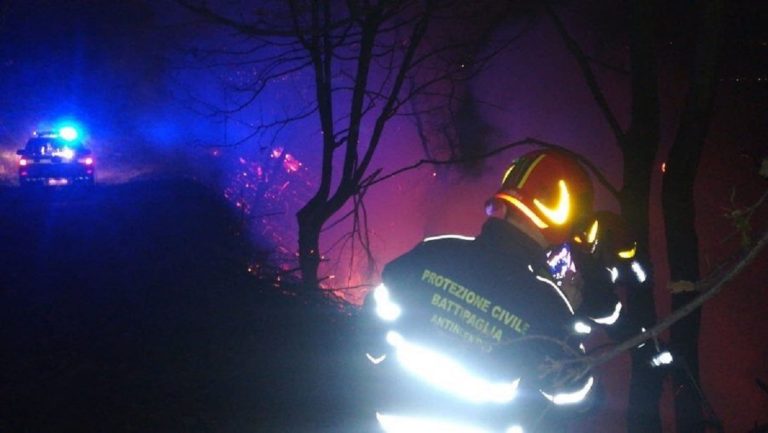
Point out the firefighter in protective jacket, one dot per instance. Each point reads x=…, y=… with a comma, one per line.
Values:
x=481, y=319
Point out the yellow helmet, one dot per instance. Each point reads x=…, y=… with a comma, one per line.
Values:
x=551, y=189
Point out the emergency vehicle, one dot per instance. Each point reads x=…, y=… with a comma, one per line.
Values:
x=54, y=158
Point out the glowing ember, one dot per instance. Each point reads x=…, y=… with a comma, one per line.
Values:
x=267, y=189
x=291, y=164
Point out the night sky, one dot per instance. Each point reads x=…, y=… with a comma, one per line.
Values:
x=131, y=74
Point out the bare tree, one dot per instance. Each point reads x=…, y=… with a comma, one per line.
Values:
x=679, y=210
x=639, y=145
x=367, y=60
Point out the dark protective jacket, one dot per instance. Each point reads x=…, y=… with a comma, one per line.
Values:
x=477, y=297
x=599, y=292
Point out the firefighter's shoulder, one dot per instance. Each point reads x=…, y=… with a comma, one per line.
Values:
x=427, y=249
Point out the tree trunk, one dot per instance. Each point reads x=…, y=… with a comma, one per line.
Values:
x=646, y=382
x=639, y=147
x=311, y=221
x=679, y=214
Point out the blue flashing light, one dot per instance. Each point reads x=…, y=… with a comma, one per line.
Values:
x=68, y=133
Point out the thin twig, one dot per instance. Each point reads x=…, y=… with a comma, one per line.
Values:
x=586, y=70
x=526, y=141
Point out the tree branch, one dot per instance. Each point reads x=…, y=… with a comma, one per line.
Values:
x=271, y=30
x=526, y=141
x=586, y=70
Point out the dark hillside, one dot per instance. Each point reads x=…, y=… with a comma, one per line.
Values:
x=129, y=308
